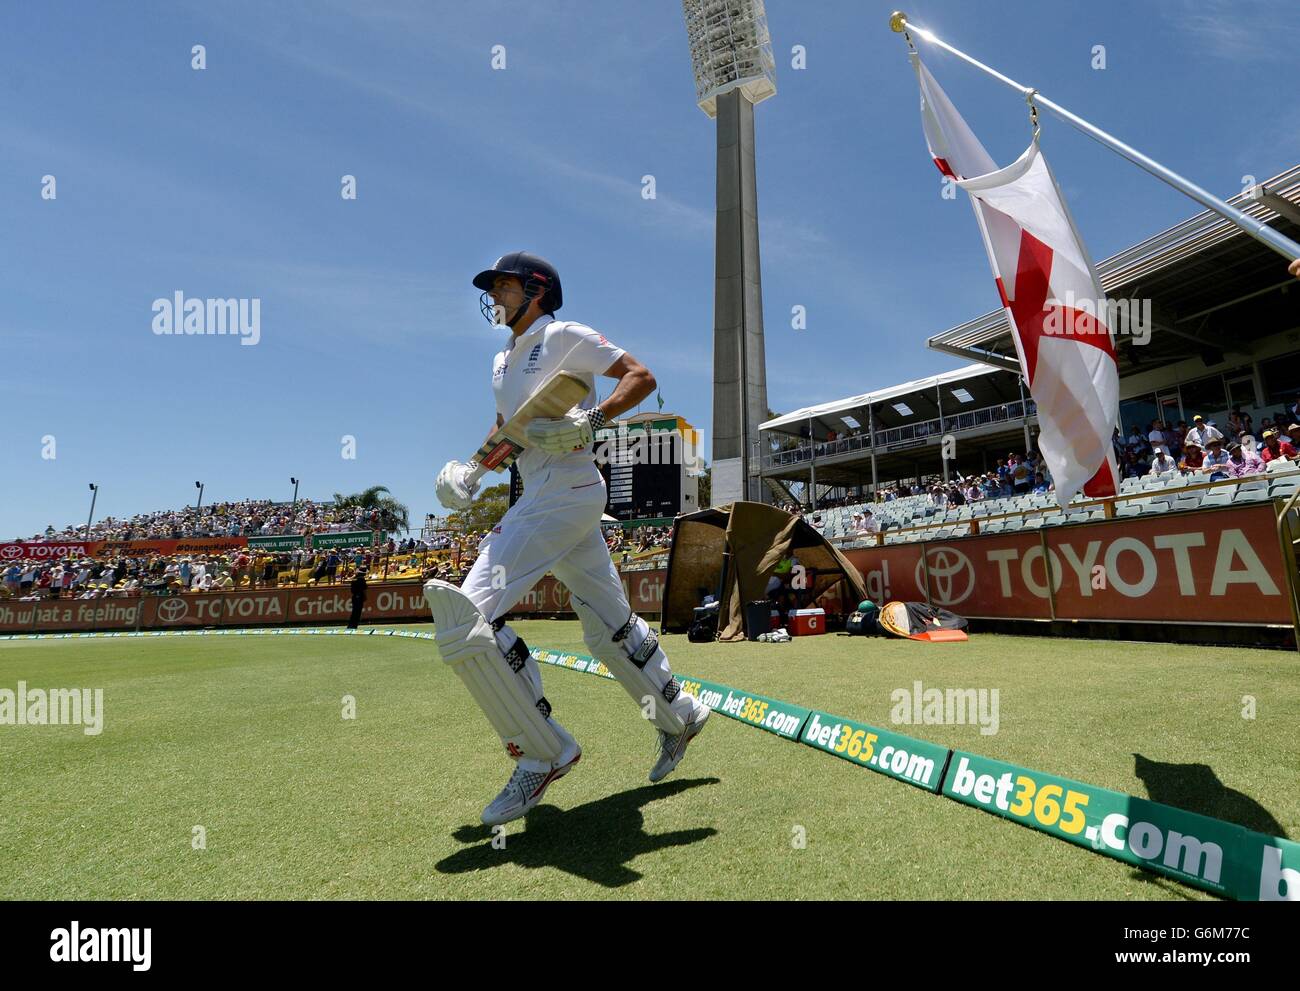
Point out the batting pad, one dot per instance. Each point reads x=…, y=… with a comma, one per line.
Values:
x=640, y=666
x=508, y=698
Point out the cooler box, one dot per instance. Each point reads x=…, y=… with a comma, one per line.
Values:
x=807, y=622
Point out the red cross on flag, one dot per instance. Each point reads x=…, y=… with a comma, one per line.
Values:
x=1054, y=301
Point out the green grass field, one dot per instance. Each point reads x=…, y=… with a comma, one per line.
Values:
x=245, y=737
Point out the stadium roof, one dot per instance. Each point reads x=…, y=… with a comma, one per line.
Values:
x=836, y=407
x=1212, y=287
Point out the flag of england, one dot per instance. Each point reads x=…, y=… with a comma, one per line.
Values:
x=1047, y=283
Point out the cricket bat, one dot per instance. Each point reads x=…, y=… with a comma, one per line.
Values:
x=554, y=397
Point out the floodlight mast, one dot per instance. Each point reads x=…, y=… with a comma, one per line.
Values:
x=730, y=49
x=734, y=68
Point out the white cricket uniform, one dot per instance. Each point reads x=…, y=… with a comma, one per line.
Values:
x=557, y=345
x=555, y=525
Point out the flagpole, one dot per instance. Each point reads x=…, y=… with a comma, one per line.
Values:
x=1257, y=229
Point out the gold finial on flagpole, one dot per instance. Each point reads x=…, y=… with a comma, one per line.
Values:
x=897, y=21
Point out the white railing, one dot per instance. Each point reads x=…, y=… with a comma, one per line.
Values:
x=952, y=424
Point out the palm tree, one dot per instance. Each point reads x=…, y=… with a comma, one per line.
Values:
x=392, y=514
x=704, y=488
x=484, y=512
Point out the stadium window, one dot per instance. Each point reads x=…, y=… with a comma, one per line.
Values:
x=1138, y=412
x=1241, y=390
x=962, y=396
x=1281, y=378
x=1208, y=397
x=902, y=409
x=1171, y=410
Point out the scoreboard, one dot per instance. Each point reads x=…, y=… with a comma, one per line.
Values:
x=649, y=474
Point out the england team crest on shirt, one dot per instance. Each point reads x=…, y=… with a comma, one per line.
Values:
x=533, y=357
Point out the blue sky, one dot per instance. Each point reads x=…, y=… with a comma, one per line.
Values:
x=225, y=183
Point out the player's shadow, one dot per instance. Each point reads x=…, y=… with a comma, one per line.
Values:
x=1197, y=788
x=594, y=841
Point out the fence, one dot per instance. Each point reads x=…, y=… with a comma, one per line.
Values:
x=937, y=427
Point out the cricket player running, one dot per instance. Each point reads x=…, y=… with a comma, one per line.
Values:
x=555, y=526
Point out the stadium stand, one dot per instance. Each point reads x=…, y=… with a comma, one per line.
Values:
x=1211, y=351
x=915, y=517
x=246, y=518
x=128, y=572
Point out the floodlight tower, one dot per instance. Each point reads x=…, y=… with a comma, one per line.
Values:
x=731, y=55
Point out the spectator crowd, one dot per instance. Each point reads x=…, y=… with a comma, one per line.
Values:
x=131, y=576
x=247, y=518
x=436, y=553
x=1013, y=475
x=1207, y=450
x=1203, y=450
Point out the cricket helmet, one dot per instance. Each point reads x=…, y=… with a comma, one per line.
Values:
x=537, y=275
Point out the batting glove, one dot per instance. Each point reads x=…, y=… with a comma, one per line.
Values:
x=453, y=487
x=571, y=432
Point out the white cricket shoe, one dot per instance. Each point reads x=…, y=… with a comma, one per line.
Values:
x=673, y=748
x=526, y=788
